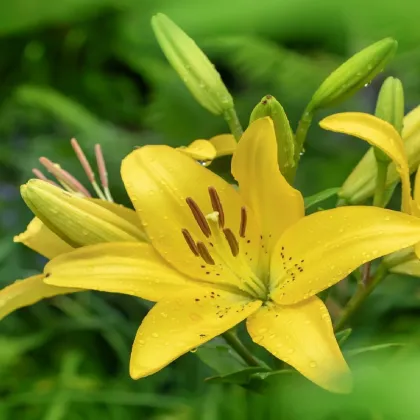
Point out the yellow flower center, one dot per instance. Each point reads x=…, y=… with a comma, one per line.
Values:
x=223, y=249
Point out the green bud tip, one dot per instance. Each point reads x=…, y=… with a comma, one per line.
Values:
x=192, y=65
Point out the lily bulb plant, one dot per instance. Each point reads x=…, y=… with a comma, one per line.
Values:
x=212, y=255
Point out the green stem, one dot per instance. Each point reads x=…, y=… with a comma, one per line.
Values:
x=300, y=137
x=238, y=346
x=301, y=132
x=234, y=124
x=380, y=190
x=363, y=291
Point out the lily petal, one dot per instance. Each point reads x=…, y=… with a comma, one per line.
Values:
x=410, y=267
x=302, y=336
x=179, y=324
x=378, y=133
x=129, y=268
x=27, y=292
x=200, y=149
x=42, y=240
x=225, y=144
x=417, y=188
x=125, y=213
x=275, y=203
x=323, y=248
x=159, y=180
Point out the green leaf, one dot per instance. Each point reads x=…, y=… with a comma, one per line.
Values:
x=374, y=348
x=321, y=196
x=240, y=377
x=342, y=336
x=220, y=357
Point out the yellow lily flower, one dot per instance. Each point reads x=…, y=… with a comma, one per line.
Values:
x=45, y=242
x=218, y=256
x=206, y=151
x=86, y=221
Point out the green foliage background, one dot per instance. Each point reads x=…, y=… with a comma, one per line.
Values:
x=91, y=69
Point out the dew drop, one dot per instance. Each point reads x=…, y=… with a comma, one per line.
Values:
x=313, y=365
x=141, y=342
x=291, y=351
x=155, y=335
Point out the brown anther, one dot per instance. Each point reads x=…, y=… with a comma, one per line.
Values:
x=217, y=205
x=244, y=219
x=190, y=242
x=83, y=160
x=199, y=216
x=204, y=253
x=232, y=241
x=103, y=174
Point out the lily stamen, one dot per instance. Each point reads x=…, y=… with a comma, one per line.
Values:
x=63, y=177
x=232, y=241
x=42, y=177
x=217, y=205
x=199, y=216
x=190, y=242
x=204, y=253
x=244, y=219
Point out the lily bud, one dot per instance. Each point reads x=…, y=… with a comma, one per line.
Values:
x=356, y=72
x=192, y=65
x=390, y=108
x=77, y=221
x=270, y=107
x=360, y=185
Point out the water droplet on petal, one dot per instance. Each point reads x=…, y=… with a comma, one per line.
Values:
x=155, y=335
x=313, y=365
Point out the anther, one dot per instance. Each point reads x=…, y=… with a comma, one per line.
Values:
x=232, y=241
x=199, y=216
x=64, y=177
x=190, y=242
x=242, y=226
x=217, y=205
x=204, y=253
x=83, y=160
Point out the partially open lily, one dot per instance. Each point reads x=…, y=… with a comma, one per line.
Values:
x=383, y=135
x=360, y=184
x=218, y=256
x=205, y=151
x=79, y=220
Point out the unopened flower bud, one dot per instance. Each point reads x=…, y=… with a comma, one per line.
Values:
x=77, y=220
x=390, y=108
x=270, y=107
x=356, y=72
x=192, y=65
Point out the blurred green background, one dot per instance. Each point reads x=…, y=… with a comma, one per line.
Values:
x=91, y=69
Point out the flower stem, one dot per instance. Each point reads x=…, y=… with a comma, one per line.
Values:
x=234, y=124
x=363, y=291
x=237, y=345
x=300, y=137
x=301, y=132
x=380, y=190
